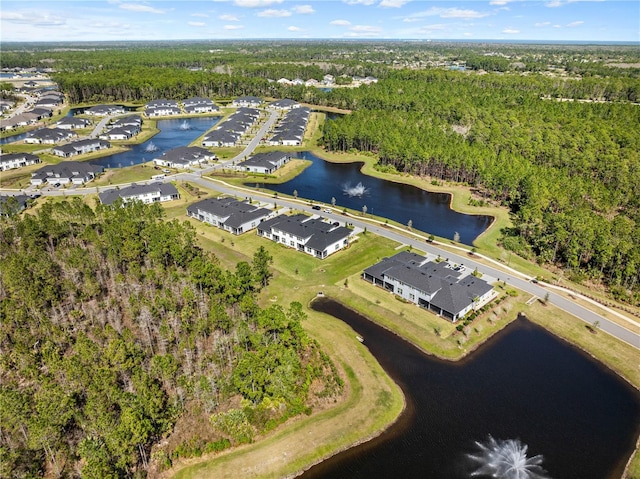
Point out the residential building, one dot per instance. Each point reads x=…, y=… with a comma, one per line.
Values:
x=229, y=214
x=310, y=235
x=17, y=160
x=247, y=101
x=153, y=193
x=73, y=123
x=80, y=147
x=184, y=156
x=49, y=136
x=285, y=104
x=265, y=163
x=67, y=172
x=447, y=290
x=199, y=105
x=105, y=110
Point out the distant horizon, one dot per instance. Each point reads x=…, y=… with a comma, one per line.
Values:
x=528, y=21
x=338, y=40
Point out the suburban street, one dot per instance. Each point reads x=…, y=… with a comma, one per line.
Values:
x=500, y=272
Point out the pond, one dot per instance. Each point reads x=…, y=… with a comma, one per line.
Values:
x=428, y=212
x=173, y=133
x=523, y=388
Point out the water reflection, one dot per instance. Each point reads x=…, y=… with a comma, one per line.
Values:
x=428, y=212
x=524, y=384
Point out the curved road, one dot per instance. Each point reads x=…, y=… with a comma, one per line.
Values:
x=513, y=277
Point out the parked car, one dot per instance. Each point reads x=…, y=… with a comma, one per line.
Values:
x=315, y=207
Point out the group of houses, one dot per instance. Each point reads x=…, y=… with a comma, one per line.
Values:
x=163, y=107
x=230, y=131
x=42, y=108
x=290, y=130
x=105, y=110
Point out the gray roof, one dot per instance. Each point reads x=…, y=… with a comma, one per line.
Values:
x=319, y=235
x=450, y=292
x=9, y=157
x=222, y=136
x=128, y=121
x=186, y=154
x=232, y=212
x=248, y=99
x=68, y=169
x=55, y=134
x=284, y=103
x=103, y=109
x=161, y=103
x=75, y=121
x=109, y=196
x=265, y=160
x=80, y=144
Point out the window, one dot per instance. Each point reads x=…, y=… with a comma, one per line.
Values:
x=400, y=291
x=412, y=297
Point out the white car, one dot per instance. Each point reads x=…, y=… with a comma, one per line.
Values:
x=326, y=210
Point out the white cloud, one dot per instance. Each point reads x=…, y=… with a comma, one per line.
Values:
x=202, y=15
x=136, y=7
x=233, y=27
x=432, y=27
x=365, y=29
x=467, y=34
x=359, y=2
x=498, y=2
x=542, y=24
x=575, y=24
x=197, y=24
x=32, y=18
x=554, y=4
x=272, y=13
x=294, y=29
x=256, y=3
x=342, y=23
x=229, y=18
x=303, y=9
x=446, y=13
x=393, y=3
x=510, y=30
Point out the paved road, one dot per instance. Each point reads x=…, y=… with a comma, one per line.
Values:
x=513, y=278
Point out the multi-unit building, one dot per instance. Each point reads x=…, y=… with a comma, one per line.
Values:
x=105, y=110
x=80, y=147
x=247, y=101
x=447, y=290
x=153, y=193
x=229, y=214
x=184, y=156
x=73, y=123
x=162, y=107
x=265, y=163
x=67, y=172
x=17, y=160
x=310, y=235
x=49, y=136
x=199, y=105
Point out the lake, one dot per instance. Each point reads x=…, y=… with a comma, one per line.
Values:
x=429, y=212
x=524, y=384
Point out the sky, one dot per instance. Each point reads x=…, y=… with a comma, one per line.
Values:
x=109, y=20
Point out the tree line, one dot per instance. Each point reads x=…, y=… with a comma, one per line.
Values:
x=115, y=323
x=570, y=172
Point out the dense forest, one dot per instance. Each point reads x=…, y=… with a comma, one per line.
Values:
x=115, y=323
x=570, y=172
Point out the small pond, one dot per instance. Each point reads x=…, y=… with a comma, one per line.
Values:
x=523, y=388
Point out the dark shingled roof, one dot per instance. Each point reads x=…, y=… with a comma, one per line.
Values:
x=109, y=196
x=319, y=235
x=234, y=213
